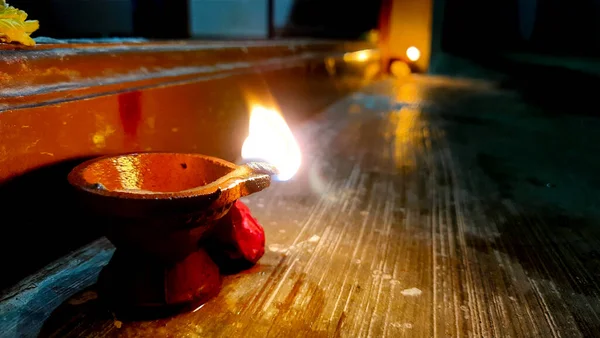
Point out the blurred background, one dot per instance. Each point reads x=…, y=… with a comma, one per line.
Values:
x=220, y=19
x=553, y=27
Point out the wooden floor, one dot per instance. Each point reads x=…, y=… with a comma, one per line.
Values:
x=426, y=207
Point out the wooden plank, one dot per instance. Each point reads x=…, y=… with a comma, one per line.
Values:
x=57, y=73
x=26, y=305
x=412, y=216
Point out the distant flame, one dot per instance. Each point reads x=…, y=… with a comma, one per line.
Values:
x=271, y=140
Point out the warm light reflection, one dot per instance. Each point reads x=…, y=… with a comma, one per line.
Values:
x=406, y=136
x=371, y=71
x=129, y=175
x=410, y=131
x=413, y=53
x=330, y=66
x=399, y=68
x=271, y=140
x=359, y=56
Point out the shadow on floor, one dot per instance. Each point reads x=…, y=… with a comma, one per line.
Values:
x=557, y=90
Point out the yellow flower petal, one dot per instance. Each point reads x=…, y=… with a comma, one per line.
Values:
x=14, y=27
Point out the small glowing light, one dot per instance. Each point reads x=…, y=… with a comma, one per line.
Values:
x=413, y=53
x=359, y=56
x=363, y=55
x=271, y=140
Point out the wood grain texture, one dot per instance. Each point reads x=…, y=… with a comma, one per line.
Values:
x=422, y=209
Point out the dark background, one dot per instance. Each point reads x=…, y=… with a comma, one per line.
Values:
x=171, y=18
x=559, y=27
x=468, y=27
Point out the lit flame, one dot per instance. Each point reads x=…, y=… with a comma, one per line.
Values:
x=271, y=140
x=413, y=53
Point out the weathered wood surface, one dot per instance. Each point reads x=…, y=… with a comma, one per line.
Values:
x=425, y=207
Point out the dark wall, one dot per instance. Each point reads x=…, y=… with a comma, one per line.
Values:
x=558, y=26
x=168, y=19
x=332, y=18
x=79, y=18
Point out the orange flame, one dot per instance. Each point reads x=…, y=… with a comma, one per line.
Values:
x=271, y=140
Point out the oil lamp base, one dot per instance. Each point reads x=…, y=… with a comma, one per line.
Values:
x=160, y=207
x=141, y=285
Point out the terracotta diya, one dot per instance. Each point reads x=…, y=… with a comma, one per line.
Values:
x=160, y=206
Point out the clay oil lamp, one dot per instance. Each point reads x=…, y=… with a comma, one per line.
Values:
x=161, y=209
